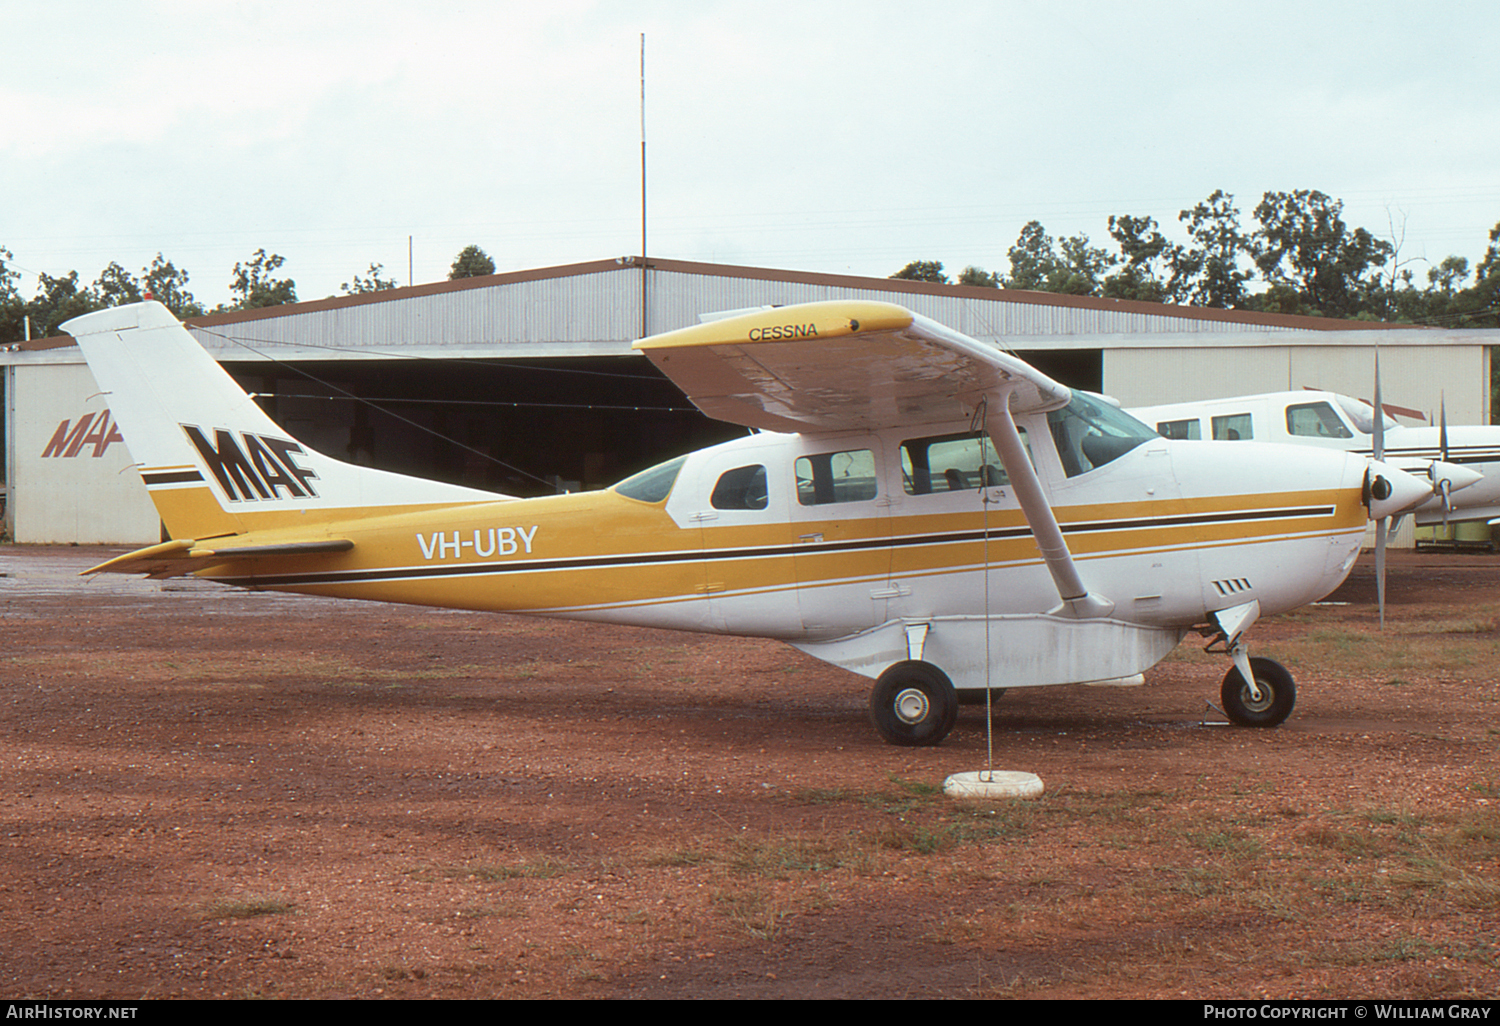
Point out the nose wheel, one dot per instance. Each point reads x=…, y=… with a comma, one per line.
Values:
x=1265, y=705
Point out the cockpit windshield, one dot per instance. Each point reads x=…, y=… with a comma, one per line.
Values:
x=1091, y=432
x=1362, y=415
x=652, y=485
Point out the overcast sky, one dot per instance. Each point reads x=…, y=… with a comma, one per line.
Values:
x=846, y=137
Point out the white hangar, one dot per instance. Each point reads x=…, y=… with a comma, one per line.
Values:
x=525, y=382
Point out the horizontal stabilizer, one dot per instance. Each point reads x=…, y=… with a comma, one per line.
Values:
x=176, y=558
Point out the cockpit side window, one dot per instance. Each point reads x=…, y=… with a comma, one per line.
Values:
x=740, y=488
x=1315, y=420
x=1089, y=433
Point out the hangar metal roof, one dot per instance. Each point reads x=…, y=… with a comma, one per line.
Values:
x=598, y=308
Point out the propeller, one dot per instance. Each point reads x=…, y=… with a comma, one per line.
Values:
x=1380, y=525
x=1442, y=483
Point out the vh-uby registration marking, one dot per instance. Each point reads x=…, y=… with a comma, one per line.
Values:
x=916, y=507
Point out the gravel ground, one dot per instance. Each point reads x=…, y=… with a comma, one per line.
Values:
x=209, y=793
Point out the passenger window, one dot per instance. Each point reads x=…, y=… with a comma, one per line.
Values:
x=1315, y=420
x=836, y=477
x=1181, y=429
x=951, y=463
x=1233, y=428
x=740, y=488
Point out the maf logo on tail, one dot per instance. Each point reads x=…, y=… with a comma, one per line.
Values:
x=255, y=471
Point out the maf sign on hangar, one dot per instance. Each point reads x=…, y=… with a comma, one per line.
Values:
x=531, y=375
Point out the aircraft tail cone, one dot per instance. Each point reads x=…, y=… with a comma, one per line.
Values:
x=984, y=784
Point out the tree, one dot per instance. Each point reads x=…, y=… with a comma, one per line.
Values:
x=168, y=286
x=471, y=262
x=255, y=287
x=923, y=270
x=1309, y=257
x=58, y=300
x=373, y=283
x=978, y=277
x=12, y=306
x=1036, y=264
x=1084, y=267
x=116, y=286
x=1210, y=271
x=1153, y=267
x=1032, y=259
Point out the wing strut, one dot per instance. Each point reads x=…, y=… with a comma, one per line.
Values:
x=1077, y=603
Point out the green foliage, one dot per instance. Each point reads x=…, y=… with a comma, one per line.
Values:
x=254, y=285
x=978, y=277
x=1152, y=270
x=1300, y=258
x=1072, y=267
x=1033, y=260
x=58, y=300
x=471, y=262
x=923, y=270
x=1304, y=247
x=1212, y=268
x=168, y=286
x=373, y=283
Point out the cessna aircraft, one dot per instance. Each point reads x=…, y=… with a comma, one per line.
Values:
x=1453, y=458
x=913, y=505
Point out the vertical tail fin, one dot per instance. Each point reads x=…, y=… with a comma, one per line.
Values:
x=212, y=460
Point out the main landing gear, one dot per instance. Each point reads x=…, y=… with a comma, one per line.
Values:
x=913, y=704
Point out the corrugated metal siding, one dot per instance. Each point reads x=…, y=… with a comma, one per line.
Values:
x=677, y=299
x=603, y=308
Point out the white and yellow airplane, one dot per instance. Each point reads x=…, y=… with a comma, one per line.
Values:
x=914, y=506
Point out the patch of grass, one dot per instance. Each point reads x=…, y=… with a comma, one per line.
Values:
x=781, y=858
x=755, y=912
x=542, y=868
x=1233, y=843
x=249, y=906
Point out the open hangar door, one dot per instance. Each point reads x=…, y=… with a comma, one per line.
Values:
x=521, y=427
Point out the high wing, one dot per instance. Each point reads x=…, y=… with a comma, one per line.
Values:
x=850, y=365
x=842, y=365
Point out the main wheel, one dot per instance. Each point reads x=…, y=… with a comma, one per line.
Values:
x=1278, y=694
x=913, y=704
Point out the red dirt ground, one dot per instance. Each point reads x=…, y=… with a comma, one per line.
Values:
x=208, y=793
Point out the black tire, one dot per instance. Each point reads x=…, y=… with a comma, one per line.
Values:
x=1278, y=695
x=913, y=704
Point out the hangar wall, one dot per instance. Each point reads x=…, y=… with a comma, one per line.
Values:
x=1418, y=377
x=71, y=477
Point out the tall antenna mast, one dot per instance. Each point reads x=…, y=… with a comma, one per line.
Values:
x=643, y=185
